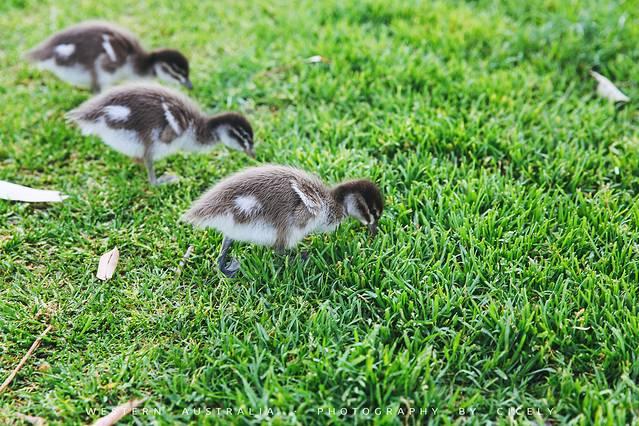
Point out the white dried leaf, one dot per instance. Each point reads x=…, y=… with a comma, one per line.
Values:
x=15, y=192
x=108, y=263
x=606, y=89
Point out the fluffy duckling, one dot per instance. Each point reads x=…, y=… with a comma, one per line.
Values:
x=278, y=206
x=99, y=54
x=148, y=122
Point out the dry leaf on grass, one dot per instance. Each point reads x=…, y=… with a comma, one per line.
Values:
x=108, y=263
x=34, y=420
x=49, y=310
x=118, y=412
x=15, y=192
x=44, y=367
x=318, y=59
x=606, y=89
x=24, y=359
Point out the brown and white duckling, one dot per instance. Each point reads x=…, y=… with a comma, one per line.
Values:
x=148, y=122
x=278, y=206
x=99, y=54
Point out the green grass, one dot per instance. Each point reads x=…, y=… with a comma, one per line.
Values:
x=505, y=273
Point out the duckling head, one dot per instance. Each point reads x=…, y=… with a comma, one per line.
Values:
x=362, y=200
x=170, y=65
x=234, y=131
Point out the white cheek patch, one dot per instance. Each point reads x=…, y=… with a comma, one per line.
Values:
x=64, y=50
x=228, y=140
x=106, y=44
x=179, y=78
x=117, y=112
x=242, y=135
x=166, y=76
x=171, y=119
x=352, y=210
x=160, y=73
x=247, y=203
x=175, y=75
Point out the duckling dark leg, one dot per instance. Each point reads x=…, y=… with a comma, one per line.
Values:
x=280, y=247
x=230, y=269
x=148, y=163
x=95, y=88
x=280, y=244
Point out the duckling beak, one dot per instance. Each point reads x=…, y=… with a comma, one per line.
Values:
x=372, y=228
x=188, y=84
x=250, y=152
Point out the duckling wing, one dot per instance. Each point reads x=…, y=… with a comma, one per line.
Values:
x=137, y=107
x=308, y=194
x=117, y=47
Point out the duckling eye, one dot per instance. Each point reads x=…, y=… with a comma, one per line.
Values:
x=170, y=70
x=362, y=208
x=245, y=135
x=178, y=71
x=243, y=138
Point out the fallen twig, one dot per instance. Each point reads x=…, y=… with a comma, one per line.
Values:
x=118, y=412
x=34, y=420
x=189, y=252
x=24, y=359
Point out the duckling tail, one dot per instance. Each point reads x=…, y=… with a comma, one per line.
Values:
x=37, y=54
x=192, y=217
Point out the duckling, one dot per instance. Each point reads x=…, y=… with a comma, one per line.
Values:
x=99, y=54
x=148, y=122
x=278, y=206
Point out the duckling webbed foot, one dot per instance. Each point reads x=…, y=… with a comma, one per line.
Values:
x=148, y=163
x=229, y=269
x=167, y=179
x=162, y=180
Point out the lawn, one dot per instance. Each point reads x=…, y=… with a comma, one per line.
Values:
x=502, y=286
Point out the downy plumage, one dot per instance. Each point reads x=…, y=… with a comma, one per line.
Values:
x=97, y=54
x=148, y=122
x=278, y=206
